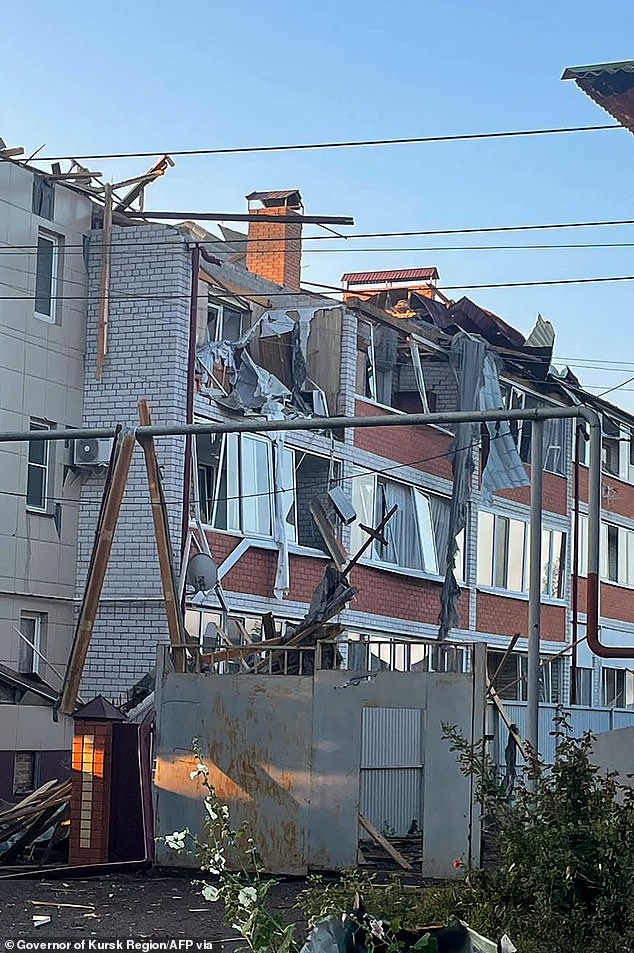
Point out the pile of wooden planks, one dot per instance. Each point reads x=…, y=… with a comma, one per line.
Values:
x=40, y=817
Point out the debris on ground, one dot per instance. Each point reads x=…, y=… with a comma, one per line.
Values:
x=30, y=829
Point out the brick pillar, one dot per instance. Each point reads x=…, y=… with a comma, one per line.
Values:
x=91, y=782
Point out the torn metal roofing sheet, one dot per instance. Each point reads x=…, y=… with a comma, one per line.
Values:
x=471, y=317
x=610, y=85
x=396, y=274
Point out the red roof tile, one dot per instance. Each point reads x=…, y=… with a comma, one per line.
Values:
x=398, y=274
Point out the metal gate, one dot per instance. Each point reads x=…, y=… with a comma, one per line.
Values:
x=391, y=783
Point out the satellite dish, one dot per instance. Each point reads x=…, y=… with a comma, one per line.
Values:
x=202, y=572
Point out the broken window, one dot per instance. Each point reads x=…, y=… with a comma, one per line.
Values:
x=366, y=371
x=33, y=627
x=224, y=323
x=610, y=445
x=46, y=276
x=43, y=197
x=37, y=478
x=555, y=430
x=412, y=535
x=235, y=477
x=314, y=477
x=24, y=772
x=509, y=676
x=617, y=688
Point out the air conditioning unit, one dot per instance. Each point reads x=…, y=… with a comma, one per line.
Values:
x=92, y=452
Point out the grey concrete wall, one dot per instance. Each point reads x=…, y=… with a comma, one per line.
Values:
x=614, y=751
x=284, y=754
x=41, y=376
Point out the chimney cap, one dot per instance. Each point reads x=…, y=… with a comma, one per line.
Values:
x=291, y=198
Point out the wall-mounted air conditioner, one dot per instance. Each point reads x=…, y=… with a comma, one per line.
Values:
x=92, y=452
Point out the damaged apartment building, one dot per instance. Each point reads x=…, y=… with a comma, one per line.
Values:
x=281, y=514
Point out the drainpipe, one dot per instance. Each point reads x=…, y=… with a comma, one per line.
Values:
x=535, y=585
x=189, y=413
x=575, y=569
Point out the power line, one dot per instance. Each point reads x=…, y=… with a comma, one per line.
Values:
x=286, y=294
x=342, y=144
x=616, y=387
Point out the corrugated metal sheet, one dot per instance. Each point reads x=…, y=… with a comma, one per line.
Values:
x=391, y=737
x=392, y=799
x=396, y=274
x=391, y=787
x=580, y=719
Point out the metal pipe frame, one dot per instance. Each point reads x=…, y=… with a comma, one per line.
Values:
x=535, y=586
x=586, y=414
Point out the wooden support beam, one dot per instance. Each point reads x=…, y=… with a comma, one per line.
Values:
x=373, y=534
x=113, y=494
x=328, y=533
x=161, y=531
x=384, y=843
x=499, y=704
x=104, y=284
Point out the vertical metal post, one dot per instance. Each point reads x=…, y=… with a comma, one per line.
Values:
x=535, y=586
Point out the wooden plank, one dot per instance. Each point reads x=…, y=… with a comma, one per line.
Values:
x=507, y=652
x=499, y=704
x=104, y=283
x=113, y=494
x=161, y=531
x=384, y=843
x=328, y=534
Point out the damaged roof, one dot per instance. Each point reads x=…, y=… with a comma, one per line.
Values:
x=396, y=274
x=610, y=85
x=291, y=197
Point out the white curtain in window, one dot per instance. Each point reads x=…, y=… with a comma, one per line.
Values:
x=403, y=543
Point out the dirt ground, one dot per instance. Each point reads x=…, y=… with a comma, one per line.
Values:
x=142, y=904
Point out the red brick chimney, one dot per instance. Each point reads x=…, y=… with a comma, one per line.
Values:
x=274, y=250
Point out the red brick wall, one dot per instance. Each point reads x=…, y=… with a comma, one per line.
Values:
x=616, y=601
x=274, y=251
x=503, y=616
x=617, y=496
x=404, y=444
x=554, y=488
x=90, y=775
x=380, y=592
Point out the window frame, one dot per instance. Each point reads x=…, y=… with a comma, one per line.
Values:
x=490, y=547
x=41, y=620
x=35, y=425
x=627, y=688
x=56, y=243
x=624, y=575
x=219, y=308
x=34, y=771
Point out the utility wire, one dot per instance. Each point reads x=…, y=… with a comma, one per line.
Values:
x=285, y=294
x=616, y=387
x=395, y=234
x=136, y=501
x=343, y=144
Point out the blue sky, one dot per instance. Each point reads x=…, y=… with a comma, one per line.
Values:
x=140, y=76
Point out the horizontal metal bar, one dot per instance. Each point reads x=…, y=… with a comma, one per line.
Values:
x=247, y=217
x=261, y=425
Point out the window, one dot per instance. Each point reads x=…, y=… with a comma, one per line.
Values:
x=235, y=478
x=610, y=446
x=509, y=677
x=555, y=430
x=37, y=478
x=553, y=563
x=416, y=536
x=617, y=554
x=43, y=197
x=236, y=486
x=502, y=552
x=33, y=627
x=46, y=277
x=584, y=687
x=24, y=772
x=224, y=323
x=503, y=555
x=617, y=688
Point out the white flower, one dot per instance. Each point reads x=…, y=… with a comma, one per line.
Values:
x=224, y=810
x=193, y=774
x=211, y=893
x=377, y=929
x=209, y=807
x=202, y=768
x=247, y=896
x=176, y=840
